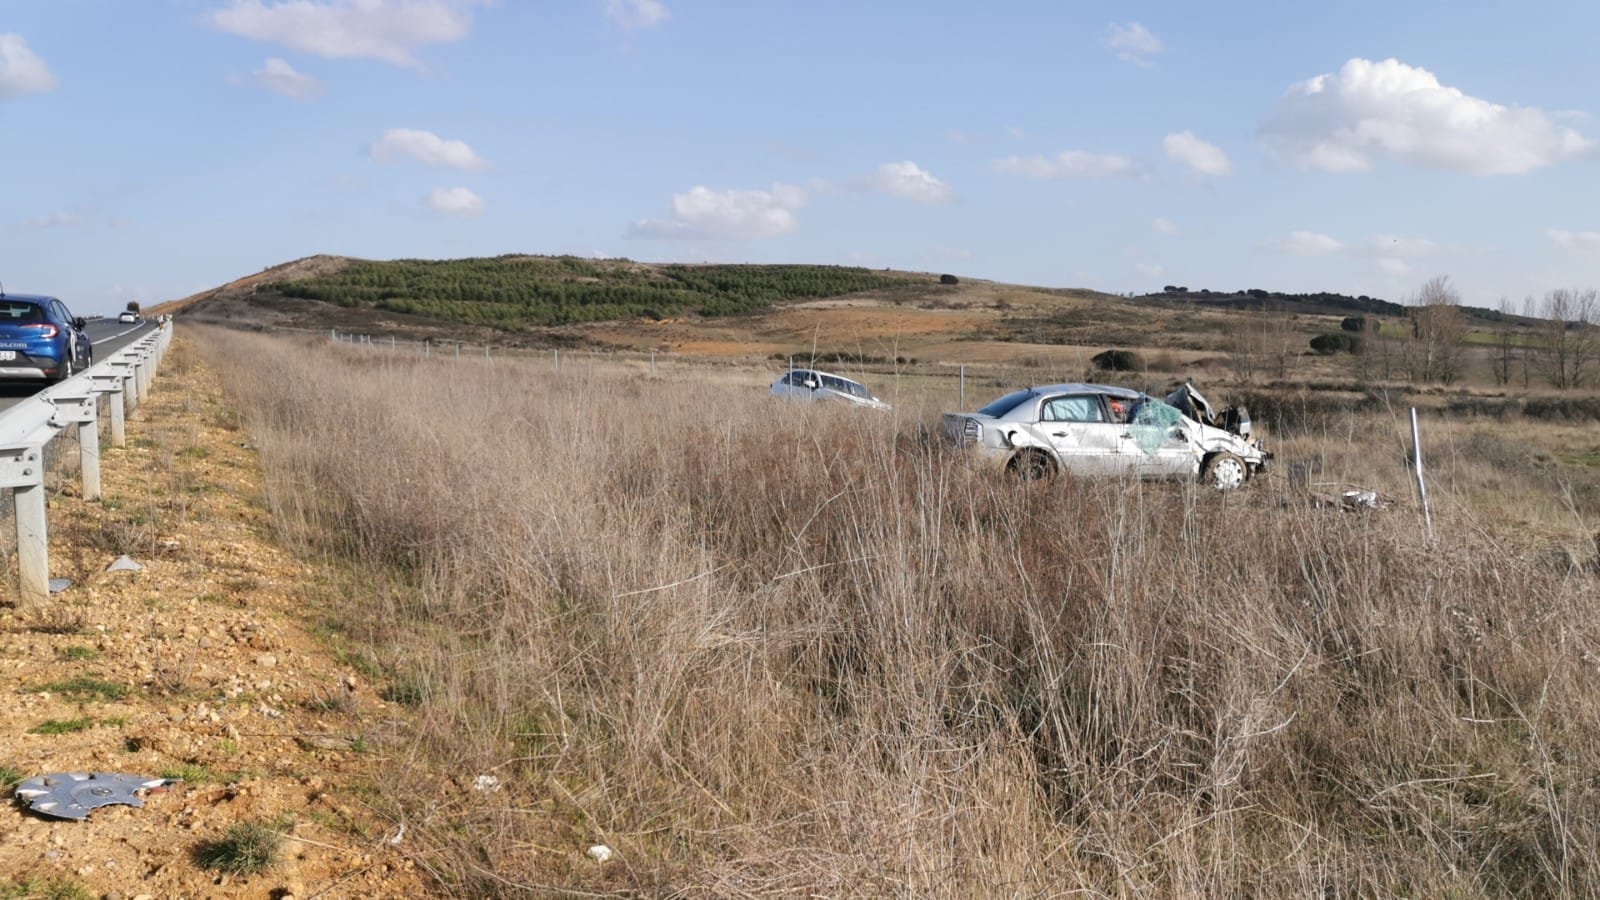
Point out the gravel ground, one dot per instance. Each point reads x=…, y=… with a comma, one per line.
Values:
x=201, y=666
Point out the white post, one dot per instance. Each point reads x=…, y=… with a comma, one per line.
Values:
x=963, y=404
x=425, y=348
x=130, y=392
x=1416, y=466
x=33, y=544
x=652, y=364
x=89, y=456
x=558, y=362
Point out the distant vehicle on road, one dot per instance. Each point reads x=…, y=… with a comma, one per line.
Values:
x=809, y=384
x=40, y=339
x=128, y=317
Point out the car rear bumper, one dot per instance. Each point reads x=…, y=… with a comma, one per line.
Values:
x=24, y=373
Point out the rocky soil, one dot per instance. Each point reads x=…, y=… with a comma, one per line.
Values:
x=207, y=665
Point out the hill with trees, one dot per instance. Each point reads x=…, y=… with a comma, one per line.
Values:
x=516, y=292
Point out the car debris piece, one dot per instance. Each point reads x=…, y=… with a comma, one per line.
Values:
x=486, y=784
x=57, y=585
x=599, y=853
x=124, y=564
x=71, y=795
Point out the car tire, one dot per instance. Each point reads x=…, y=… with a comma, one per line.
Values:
x=1032, y=465
x=1225, y=472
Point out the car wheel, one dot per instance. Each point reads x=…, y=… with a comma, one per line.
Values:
x=1032, y=465
x=1225, y=472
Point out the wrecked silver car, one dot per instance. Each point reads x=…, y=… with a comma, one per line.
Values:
x=1103, y=430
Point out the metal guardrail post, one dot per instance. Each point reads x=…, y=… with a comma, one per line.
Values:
x=83, y=411
x=130, y=387
x=110, y=387
x=22, y=470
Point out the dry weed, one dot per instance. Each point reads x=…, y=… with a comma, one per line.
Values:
x=762, y=649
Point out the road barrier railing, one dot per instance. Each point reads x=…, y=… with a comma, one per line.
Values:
x=29, y=426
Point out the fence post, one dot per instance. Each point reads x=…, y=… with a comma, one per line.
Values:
x=963, y=404
x=1416, y=466
x=558, y=361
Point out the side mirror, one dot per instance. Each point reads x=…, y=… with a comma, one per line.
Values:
x=813, y=384
x=78, y=322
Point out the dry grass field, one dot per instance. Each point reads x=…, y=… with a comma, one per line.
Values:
x=766, y=650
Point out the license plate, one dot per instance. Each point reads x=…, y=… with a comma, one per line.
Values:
x=7, y=355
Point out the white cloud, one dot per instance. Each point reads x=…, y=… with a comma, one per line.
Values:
x=53, y=220
x=909, y=181
x=1395, y=245
x=1067, y=164
x=1396, y=268
x=458, y=202
x=633, y=14
x=1306, y=243
x=426, y=147
x=704, y=214
x=1202, y=157
x=1149, y=270
x=21, y=70
x=1165, y=226
x=386, y=30
x=1574, y=240
x=279, y=77
x=1338, y=122
x=1133, y=43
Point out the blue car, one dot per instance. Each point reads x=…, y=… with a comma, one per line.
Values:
x=40, y=339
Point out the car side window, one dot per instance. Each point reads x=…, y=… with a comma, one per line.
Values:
x=1083, y=408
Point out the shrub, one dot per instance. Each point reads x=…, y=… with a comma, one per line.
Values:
x=949, y=279
x=1356, y=324
x=1328, y=344
x=1118, y=361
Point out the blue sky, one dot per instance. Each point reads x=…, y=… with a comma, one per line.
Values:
x=157, y=148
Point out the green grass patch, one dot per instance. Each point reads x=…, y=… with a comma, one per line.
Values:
x=192, y=774
x=77, y=653
x=9, y=776
x=43, y=889
x=62, y=726
x=248, y=848
x=87, y=686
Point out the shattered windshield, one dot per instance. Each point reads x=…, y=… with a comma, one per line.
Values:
x=1152, y=425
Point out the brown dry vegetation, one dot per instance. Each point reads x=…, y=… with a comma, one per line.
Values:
x=767, y=650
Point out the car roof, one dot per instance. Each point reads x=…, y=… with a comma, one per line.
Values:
x=1078, y=387
x=829, y=374
x=27, y=298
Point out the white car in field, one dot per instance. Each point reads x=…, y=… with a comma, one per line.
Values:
x=809, y=384
x=1102, y=430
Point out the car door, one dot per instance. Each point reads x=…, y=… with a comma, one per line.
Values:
x=1157, y=442
x=1082, y=435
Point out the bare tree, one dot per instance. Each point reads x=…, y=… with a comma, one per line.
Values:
x=1505, y=344
x=1434, y=351
x=1570, y=338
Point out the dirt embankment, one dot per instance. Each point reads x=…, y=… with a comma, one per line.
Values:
x=202, y=666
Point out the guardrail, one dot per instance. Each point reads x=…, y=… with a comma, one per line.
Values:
x=26, y=428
